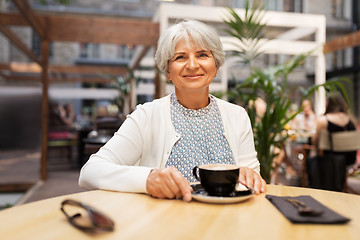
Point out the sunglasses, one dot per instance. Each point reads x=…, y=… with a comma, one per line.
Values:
x=85, y=217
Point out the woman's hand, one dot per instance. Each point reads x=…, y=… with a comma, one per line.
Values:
x=168, y=183
x=252, y=179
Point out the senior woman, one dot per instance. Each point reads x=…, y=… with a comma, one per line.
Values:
x=157, y=146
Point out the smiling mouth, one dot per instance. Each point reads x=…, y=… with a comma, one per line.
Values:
x=193, y=75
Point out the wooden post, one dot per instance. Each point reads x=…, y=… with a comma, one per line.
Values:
x=158, y=84
x=133, y=94
x=44, y=107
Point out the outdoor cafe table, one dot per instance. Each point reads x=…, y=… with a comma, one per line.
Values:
x=139, y=216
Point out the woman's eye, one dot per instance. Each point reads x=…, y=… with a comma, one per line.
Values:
x=178, y=58
x=203, y=55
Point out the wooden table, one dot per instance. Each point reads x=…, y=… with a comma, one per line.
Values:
x=139, y=216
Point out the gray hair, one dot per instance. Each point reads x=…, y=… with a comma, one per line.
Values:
x=203, y=36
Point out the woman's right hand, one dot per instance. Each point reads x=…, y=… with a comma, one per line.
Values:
x=168, y=183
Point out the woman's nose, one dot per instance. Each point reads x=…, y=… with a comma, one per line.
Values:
x=192, y=63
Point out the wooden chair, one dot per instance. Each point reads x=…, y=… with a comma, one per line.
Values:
x=304, y=150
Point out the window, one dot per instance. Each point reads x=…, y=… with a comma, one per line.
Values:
x=36, y=45
x=293, y=6
x=84, y=50
x=89, y=50
x=338, y=8
x=203, y=2
x=272, y=5
x=239, y=3
x=124, y=51
x=338, y=59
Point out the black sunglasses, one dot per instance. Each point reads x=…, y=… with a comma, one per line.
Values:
x=85, y=217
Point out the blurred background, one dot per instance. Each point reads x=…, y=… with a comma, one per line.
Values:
x=98, y=75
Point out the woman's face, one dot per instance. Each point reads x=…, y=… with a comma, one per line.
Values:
x=191, y=69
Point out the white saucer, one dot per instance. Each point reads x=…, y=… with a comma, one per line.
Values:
x=201, y=195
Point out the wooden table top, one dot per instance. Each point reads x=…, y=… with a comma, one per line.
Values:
x=139, y=216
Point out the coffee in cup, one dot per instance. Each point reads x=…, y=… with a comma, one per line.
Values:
x=217, y=179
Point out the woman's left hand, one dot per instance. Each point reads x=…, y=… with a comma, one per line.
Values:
x=252, y=179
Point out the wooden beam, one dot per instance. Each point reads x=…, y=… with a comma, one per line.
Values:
x=5, y=67
x=64, y=69
x=103, y=30
x=83, y=80
x=12, y=19
x=28, y=13
x=56, y=79
x=20, y=78
x=25, y=67
x=3, y=75
x=342, y=42
x=88, y=69
x=44, y=107
x=16, y=187
x=88, y=29
x=18, y=43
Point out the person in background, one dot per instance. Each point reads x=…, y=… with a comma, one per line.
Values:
x=304, y=127
x=305, y=123
x=67, y=114
x=336, y=118
x=61, y=117
x=157, y=146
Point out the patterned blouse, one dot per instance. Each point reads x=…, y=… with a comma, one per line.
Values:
x=202, y=138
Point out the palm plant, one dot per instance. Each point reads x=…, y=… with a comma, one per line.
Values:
x=270, y=84
x=249, y=30
x=270, y=128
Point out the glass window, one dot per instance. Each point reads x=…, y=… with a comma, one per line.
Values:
x=293, y=6
x=36, y=45
x=338, y=8
x=239, y=3
x=125, y=51
x=95, y=50
x=89, y=50
x=272, y=5
x=203, y=2
x=84, y=50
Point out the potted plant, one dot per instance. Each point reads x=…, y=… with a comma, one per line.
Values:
x=270, y=84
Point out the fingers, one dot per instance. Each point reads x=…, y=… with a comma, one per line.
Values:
x=252, y=179
x=184, y=186
x=168, y=183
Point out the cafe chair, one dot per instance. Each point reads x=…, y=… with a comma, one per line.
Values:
x=105, y=127
x=302, y=154
x=61, y=142
x=345, y=141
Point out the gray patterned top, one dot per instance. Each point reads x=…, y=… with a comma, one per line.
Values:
x=202, y=138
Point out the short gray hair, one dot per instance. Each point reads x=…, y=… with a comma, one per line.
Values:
x=203, y=36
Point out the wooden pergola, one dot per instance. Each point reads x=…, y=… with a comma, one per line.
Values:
x=69, y=28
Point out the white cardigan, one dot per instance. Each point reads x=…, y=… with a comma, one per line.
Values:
x=145, y=139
